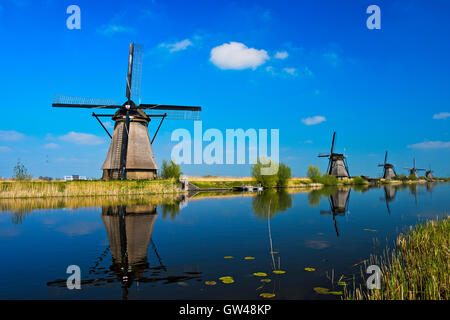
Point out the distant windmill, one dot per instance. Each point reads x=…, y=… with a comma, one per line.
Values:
x=429, y=174
x=388, y=169
x=413, y=170
x=130, y=154
x=337, y=164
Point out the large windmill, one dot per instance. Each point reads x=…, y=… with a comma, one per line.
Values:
x=337, y=164
x=130, y=154
x=388, y=169
x=413, y=170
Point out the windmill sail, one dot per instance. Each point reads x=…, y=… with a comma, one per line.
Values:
x=130, y=154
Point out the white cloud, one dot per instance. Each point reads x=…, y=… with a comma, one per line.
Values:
x=80, y=138
x=332, y=58
x=281, y=55
x=177, y=46
x=52, y=145
x=271, y=70
x=292, y=71
x=310, y=121
x=11, y=135
x=112, y=29
x=430, y=145
x=5, y=149
x=442, y=115
x=237, y=56
x=108, y=125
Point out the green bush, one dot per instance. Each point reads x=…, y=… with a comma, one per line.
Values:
x=313, y=172
x=20, y=172
x=278, y=179
x=267, y=181
x=170, y=170
x=284, y=174
x=359, y=180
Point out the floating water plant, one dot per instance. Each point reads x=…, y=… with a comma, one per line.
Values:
x=249, y=258
x=267, y=295
x=226, y=279
x=228, y=257
x=210, y=283
x=260, y=274
x=310, y=269
x=279, y=271
x=266, y=280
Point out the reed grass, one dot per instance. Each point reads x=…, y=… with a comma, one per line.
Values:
x=416, y=269
x=42, y=189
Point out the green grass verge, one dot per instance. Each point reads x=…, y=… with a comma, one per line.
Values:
x=37, y=189
x=417, y=269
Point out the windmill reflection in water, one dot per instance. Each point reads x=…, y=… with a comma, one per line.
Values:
x=129, y=229
x=338, y=205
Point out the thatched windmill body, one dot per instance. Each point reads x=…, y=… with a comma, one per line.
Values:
x=429, y=174
x=388, y=169
x=413, y=170
x=337, y=164
x=130, y=154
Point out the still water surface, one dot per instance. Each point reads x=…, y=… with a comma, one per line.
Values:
x=155, y=248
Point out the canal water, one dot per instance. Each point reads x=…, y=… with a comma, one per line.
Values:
x=207, y=245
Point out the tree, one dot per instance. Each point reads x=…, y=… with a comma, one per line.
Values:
x=284, y=174
x=278, y=179
x=313, y=172
x=20, y=172
x=170, y=170
x=265, y=179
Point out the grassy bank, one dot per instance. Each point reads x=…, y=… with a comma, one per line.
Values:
x=42, y=189
x=417, y=269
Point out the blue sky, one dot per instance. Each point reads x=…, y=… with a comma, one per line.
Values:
x=287, y=61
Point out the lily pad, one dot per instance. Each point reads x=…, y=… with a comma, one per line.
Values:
x=279, y=271
x=310, y=269
x=266, y=280
x=228, y=257
x=267, y=295
x=337, y=293
x=321, y=290
x=210, y=283
x=260, y=274
x=372, y=230
x=273, y=252
x=226, y=279
x=249, y=258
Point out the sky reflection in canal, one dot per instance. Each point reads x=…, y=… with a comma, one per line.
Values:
x=155, y=248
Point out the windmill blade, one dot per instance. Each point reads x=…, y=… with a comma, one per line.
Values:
x=130, y=71
x=385, y=158
x=168, y=107
x=177, y=115
x=332, y=143
x=323, y=155
x=83, y=102
x=138, y=53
